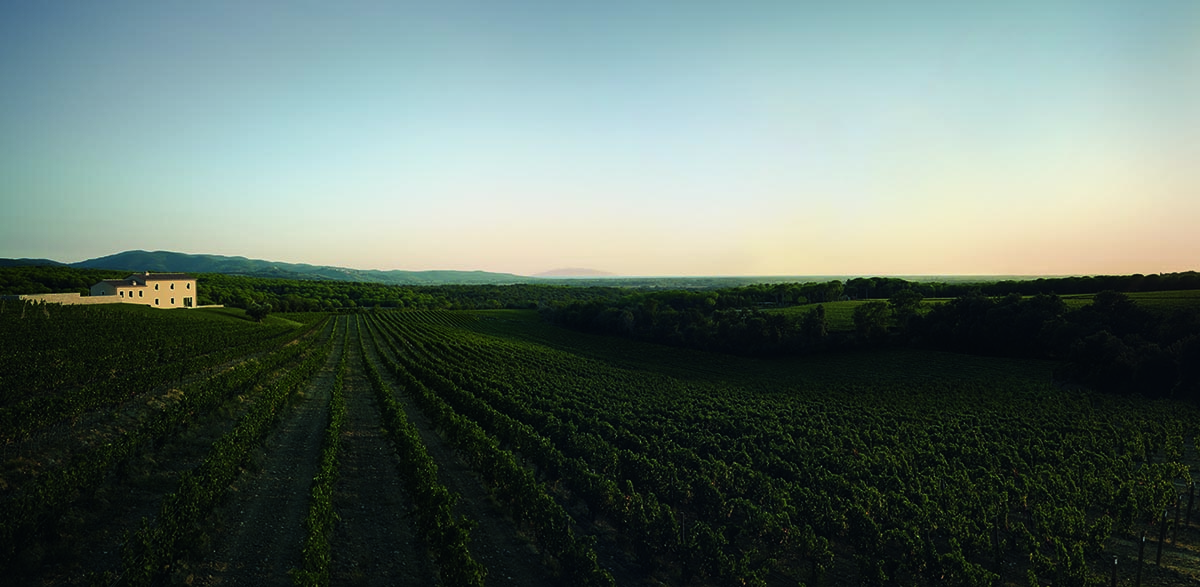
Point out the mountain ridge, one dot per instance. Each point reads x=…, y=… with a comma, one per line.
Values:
x=170, y=261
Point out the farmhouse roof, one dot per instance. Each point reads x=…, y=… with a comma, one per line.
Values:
x=123, y=282
x=159, y=276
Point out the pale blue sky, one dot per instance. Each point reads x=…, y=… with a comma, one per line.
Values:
x=634, y=137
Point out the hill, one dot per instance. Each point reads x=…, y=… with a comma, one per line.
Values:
x=29, y=263
x=166, y=261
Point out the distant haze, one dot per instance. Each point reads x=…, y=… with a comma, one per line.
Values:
x=574, y=272
x=643, y=138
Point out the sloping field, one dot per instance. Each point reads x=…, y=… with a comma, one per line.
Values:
x=490, y=448
x=910, y=466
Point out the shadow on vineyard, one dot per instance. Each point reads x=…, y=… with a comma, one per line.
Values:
x=881, y=467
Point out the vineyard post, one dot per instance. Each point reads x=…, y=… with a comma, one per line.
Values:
x=1162, y=537
x=1175, y=526
x=999, y=557
x=1141, y=555
x=1191, y=498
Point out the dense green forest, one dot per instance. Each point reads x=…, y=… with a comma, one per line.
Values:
x=52, y=279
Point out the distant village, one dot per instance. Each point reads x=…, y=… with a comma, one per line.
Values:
x=160, y=290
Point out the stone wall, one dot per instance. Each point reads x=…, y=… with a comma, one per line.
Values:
x=66, y=298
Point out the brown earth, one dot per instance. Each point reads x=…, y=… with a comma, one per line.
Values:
x=263, y=520
x=374, y=541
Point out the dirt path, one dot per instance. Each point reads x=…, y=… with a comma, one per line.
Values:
x=510, y=558
x=264, y=530
x=374, y=542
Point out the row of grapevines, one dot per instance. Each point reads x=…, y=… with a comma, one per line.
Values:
x=42, y=500
x=89, y=357
x=652, y=526
x=151, y=551
x=926, y=476
x=512, y=484
x=447, y=537
x=321, y=516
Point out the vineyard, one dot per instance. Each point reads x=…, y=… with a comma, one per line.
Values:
x=147, y=447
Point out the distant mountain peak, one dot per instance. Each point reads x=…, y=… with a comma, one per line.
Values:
x=575, y=272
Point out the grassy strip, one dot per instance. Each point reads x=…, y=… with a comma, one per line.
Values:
x=150, y=552
x=444, y=535
x=321, y=516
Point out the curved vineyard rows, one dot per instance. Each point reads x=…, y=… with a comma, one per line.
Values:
x=713, y=481
x=624, y=463
x=512, y=484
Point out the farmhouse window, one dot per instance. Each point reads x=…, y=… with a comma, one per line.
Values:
x=172, y=286
x=156, y=286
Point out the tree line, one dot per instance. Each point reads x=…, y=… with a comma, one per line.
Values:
x=292, y=295
x=288, y=295
x=1112, y=344
x=304, y=295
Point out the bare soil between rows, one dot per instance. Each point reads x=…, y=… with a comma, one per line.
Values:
x=374, y=541
x=262, y=531
x=509, y=557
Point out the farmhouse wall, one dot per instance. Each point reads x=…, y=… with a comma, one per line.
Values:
x=163, y=290
x=63, y=298
x=160, y=290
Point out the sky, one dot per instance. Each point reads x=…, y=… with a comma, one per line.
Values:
x=637, y=138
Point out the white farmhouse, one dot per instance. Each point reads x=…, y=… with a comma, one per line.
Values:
x=162, y=290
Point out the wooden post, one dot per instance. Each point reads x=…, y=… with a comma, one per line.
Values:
x=1191, y=498
x=1141, y=554
x=1175, y=526
x=1162, y=537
